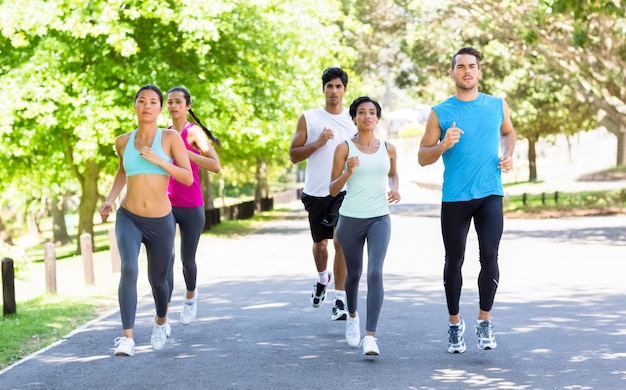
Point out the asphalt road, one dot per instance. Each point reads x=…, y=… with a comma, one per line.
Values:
x=559, y=317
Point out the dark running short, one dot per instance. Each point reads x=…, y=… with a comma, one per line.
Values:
x=323, y=214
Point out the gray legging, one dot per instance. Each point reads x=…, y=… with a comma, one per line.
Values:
x=157, y=234
x=191, y=222
x=351, y=234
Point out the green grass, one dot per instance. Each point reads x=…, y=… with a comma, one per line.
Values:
x=43, y=318
x=567, y=201
x=40, y=322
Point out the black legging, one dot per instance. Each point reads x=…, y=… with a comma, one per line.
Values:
x=191, y=222
x=455, y=222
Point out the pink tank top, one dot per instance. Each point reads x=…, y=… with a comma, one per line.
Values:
x=180, y=194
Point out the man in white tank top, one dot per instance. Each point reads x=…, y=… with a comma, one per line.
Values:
x=318, y=133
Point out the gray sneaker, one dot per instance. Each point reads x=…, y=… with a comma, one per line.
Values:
x=484, y=331
x=456, y=344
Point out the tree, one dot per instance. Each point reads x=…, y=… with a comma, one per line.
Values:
x=375, y=30
x=539, y=90
x=72, y=67
x=583, y=40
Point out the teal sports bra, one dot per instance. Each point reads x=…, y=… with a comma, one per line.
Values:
x=134, y=164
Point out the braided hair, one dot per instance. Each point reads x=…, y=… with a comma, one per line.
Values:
x=208, y=132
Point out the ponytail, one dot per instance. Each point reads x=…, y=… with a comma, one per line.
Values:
x=208, y=132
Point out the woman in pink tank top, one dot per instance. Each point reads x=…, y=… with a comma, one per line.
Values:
x=187, y=201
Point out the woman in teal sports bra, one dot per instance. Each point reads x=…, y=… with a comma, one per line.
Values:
x=145, y=216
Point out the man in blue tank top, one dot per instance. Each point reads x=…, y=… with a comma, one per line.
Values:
x=468, y=130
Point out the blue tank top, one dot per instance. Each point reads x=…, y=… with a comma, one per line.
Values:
x=471, y=166
x=134, y=164
x=366, y=189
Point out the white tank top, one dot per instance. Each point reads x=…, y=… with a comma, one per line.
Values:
x=320, y=164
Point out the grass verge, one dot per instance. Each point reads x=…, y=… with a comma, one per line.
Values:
x=39, y=323
x=556, y=204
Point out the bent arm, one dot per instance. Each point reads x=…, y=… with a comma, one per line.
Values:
x=181, y=171
x=430, y=148
x=298, y=151
x=118, y=182
x=394, y=181
x=208, y=158
x=339, y=176
x=507, y=133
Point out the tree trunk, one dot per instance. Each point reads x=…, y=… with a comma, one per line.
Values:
x=5, y=235
x=618, y=128
x=260, y=189
x=59, y=229
x=621, y=146
x=33, y=225
x=532, y=160
x=88, y=202
x=207, y=189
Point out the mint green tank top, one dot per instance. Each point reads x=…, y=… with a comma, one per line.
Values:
x=366, y=189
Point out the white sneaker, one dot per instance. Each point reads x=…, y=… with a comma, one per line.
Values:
x=159, y=335
x=190, y=308
x=168, y=329
x=369, y=346
x=124, y=346
x=456, y=343
x=353, y=331
x=484, y=331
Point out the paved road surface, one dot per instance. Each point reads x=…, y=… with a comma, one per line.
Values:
x=559, y=317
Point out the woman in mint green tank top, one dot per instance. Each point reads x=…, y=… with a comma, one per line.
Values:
x=366, y=165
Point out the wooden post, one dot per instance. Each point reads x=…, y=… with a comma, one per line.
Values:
x=86, y=248
x=50, y=260
x=8, y=287
x=115, y=252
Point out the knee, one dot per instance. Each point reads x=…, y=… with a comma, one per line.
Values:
x=129, y=271
x=489, y=259
x=320, y=246
x=453, y=264
x=375, y=276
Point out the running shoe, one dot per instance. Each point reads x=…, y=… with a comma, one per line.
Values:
x=190, y=308
x=484, y=331
x=124, y=346
x=353, y=331
x=159, y=335
x=319, y=292
x=456, y=344
x=369, y=346
x=339, y=311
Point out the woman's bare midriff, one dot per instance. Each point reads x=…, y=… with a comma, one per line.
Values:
x=146, y=195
